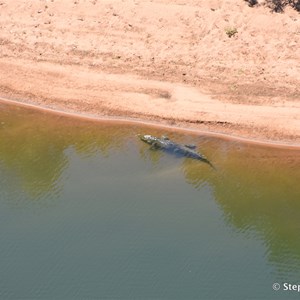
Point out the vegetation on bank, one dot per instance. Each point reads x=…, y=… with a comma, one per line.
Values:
x=276, y=5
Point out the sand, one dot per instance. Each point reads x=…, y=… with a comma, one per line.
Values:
x=169, y=62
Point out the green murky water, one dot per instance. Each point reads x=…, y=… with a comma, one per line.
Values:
x=87, y=211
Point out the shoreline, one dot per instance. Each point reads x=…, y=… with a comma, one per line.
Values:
x=128, y=120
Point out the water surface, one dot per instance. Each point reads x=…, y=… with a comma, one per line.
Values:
x=87, y=211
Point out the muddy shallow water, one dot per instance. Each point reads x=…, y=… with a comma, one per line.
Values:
x=89, y=211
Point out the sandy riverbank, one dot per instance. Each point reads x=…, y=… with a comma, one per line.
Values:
x=162, y=61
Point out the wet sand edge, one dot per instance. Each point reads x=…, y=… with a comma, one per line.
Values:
x=131, y=121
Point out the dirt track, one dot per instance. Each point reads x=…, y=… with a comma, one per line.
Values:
x=168, y=61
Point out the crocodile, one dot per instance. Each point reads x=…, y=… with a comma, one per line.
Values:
x=165, y=144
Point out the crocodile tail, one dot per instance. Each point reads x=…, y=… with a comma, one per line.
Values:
x=204, y=159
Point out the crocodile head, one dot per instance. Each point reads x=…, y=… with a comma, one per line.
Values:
x=147, y=138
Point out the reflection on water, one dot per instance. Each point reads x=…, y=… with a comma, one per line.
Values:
x=258, y=191
x=165, y=227
x=32, y=147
